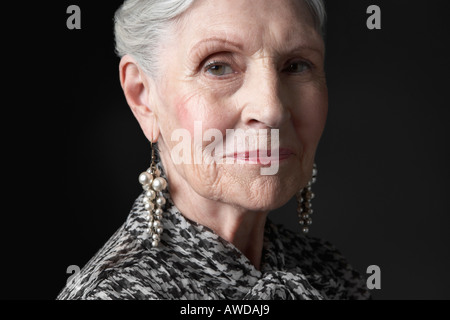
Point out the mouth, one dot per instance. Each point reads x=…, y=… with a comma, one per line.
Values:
x=262, y=156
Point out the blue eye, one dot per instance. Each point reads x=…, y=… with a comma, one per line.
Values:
x=298, y=67
x=218, y=69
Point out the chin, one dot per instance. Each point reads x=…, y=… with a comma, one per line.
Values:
x=265, y=194
x=265, y=204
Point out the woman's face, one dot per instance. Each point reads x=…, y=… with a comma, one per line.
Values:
x=242, y=64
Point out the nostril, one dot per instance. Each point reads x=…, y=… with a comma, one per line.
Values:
x=256, y=124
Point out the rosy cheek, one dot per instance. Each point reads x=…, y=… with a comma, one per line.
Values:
x=185, y=112
x=195, y=110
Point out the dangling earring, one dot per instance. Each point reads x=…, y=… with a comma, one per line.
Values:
x=153, y=200
x=304, y=207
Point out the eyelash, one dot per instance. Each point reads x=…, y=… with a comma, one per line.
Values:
x=308, y=64
x=214, y=63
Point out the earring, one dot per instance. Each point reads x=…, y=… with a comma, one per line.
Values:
x=153, y=200
x=304, y=207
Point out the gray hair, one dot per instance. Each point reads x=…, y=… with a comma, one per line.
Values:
x=139, y=25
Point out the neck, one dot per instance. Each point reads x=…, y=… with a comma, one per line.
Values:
x=241, y=227
x=245, y=230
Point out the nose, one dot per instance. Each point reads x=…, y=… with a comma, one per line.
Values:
x=263, y=105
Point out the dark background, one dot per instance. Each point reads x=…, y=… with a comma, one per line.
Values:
x=382, y=190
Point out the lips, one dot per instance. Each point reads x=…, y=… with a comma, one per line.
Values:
x=262, y=156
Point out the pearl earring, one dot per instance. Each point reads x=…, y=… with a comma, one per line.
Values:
x=153, y=200
x=304, y=207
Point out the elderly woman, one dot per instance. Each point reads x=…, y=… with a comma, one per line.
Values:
x=234, y=94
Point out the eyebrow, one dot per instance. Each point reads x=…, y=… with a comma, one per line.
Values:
x=222, y=41
x=305, y=47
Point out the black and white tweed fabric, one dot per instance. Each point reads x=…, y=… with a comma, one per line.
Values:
x=192, y=262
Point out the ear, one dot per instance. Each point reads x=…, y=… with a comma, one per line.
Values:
x=136, y=88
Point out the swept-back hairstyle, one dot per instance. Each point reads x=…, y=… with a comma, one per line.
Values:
x=139, y=25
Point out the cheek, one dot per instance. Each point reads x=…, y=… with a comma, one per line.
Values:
x=193, y=110
x=310, y=118
x=185, y=107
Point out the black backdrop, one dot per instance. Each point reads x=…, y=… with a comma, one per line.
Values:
x=383, y=161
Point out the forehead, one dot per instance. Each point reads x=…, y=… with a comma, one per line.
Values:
x=249, y=23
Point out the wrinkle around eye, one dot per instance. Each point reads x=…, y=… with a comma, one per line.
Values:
x=205, y=49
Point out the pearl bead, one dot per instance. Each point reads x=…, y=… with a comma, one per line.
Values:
x=146, y=200
x=155, y=243
x=159, y=184
x=157, y=224
x=159, y=212
x=150, y=194
x=155, y=237
x=145, y=178
x=305, y=229
x=160, y=201
x=149, y=206
x=301, y=222
x=159, y=230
